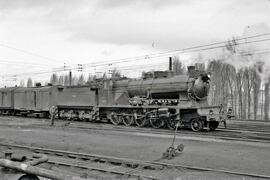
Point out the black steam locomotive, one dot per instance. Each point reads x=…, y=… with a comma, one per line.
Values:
x=158, y=99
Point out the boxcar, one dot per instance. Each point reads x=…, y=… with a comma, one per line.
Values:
x=7, y=100
x=39, y=100
x=32, y=100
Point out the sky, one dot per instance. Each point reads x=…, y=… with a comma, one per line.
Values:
x=44, y=35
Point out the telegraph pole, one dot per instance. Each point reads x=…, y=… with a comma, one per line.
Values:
x=70, y=74
x=70, y=77
x=170, y=64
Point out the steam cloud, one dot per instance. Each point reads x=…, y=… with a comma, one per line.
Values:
x=256, y=54
x=245, y=53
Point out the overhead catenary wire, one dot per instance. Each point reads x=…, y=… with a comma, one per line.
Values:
x=98, y=65
x=162, y=54
x=128, y=68
x=29, y=52
x=24, y=64
x=157, y=55
x=189, y=48
x=166, y=53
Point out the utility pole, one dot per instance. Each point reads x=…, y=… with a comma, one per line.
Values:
x=262, y=103
x=70, y=77
x=70, y=73
x=170, y=63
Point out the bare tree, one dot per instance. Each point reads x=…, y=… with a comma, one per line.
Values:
x=104, y=76
x=29, y=82
x=81, y=80
x=115, y=73
x=74, y=80
x=240, y=87
x=22, y=84
x=54, y=79
x=228, y=73
x=178, y=68
x=266, y=99
x=61, y=80
x=89, y=79
x=221, y=81
x=256, y=90
x=249, y=76
x=66, y=80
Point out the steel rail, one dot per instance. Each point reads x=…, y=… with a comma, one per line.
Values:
x=259, y=139
x=116, y=161
x=241, y=134
x=117, y=172
x=155, y=165
x=222, y=134
x=214, y=170
x=234, y=128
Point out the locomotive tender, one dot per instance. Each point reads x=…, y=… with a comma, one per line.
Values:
x=157, y=99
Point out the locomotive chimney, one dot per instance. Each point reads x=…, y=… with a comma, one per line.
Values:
x=170, y=63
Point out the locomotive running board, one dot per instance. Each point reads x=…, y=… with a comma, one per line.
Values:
x=75, y=107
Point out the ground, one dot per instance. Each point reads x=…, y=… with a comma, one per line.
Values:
x=248, y=157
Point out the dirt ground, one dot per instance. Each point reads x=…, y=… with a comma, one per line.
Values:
x=202, y=152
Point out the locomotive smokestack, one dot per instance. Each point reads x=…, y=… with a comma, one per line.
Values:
x=170, y=63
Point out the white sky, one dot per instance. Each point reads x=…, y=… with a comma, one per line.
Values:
x=87, y=31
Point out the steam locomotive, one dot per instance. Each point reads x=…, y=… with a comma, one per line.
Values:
x=158, y=99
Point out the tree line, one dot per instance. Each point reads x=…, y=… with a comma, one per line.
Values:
x=242, y=90
x=66, y=80
x=238, y=81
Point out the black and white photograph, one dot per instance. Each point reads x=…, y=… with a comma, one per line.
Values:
x=134, y=89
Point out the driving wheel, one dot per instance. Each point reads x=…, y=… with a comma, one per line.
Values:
x=196, y=124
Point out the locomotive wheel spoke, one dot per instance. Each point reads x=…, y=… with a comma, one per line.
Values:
x=196, y=124
x=171, y=124
x=115, y=119
x=128, y=120
x=156, y=122
x=141, y=121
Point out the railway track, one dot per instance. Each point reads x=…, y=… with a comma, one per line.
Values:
x=127, y=168
x=232, y=133
x=225, y=134
x=130, y=168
